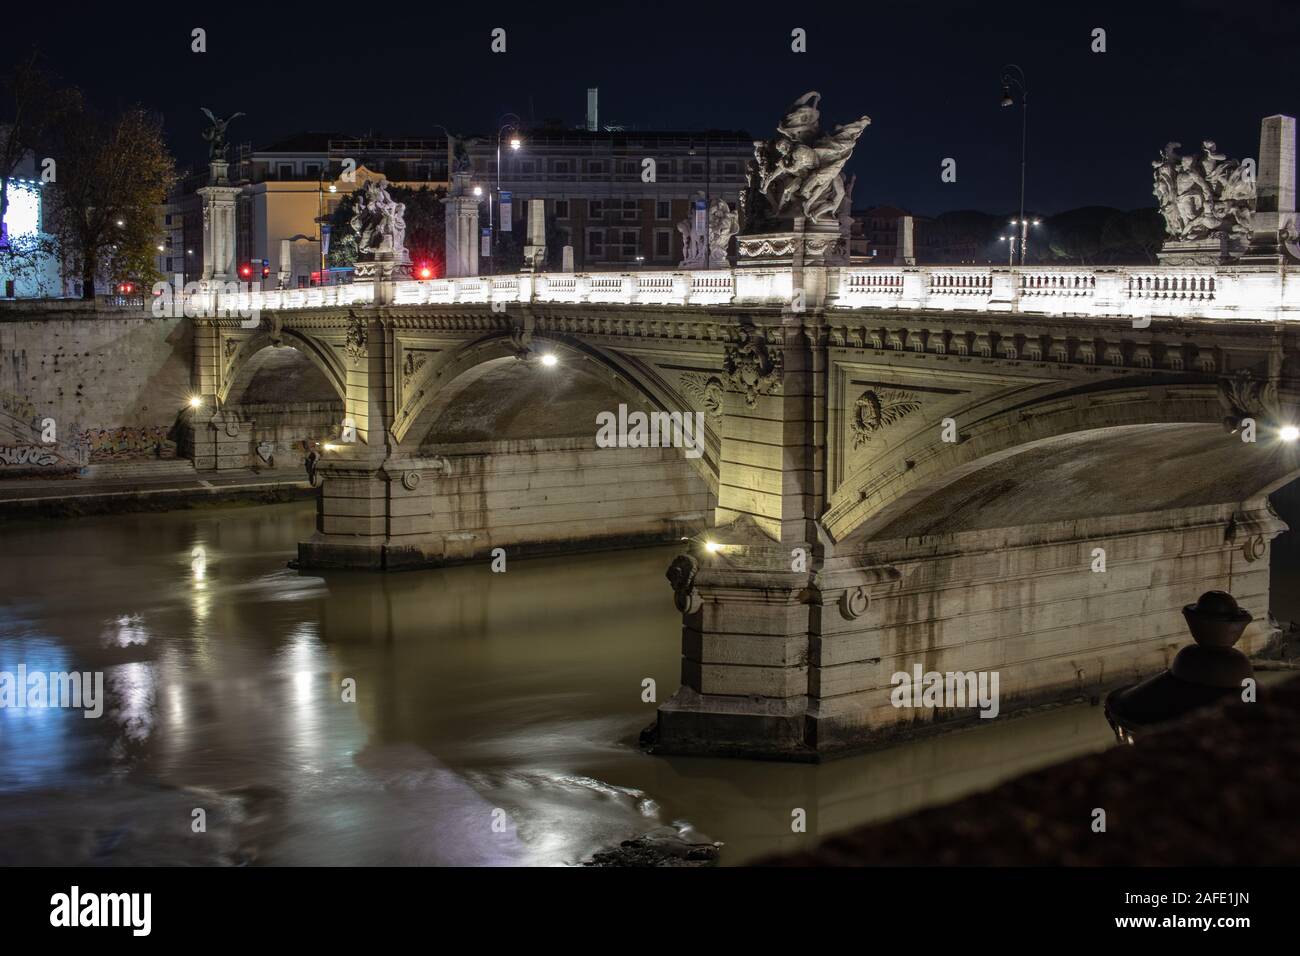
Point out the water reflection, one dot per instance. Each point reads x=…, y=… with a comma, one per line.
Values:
x=480, y=698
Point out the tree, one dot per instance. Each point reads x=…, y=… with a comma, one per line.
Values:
x=114, y=170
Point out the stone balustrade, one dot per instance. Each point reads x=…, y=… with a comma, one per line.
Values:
x=1135, y=292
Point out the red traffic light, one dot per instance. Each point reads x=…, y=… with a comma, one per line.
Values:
x=424, y=270
x=266, y=271
x=246, y=270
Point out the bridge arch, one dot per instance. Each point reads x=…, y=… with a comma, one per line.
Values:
x=244, y=358
x=583, y=381
x=1080, y=475
x=919, y=465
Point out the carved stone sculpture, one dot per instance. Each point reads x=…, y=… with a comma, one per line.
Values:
x=681, y=575
x=876, y=409
x=706, y=392
x=1203, y=196
x=751, y=367
x=379, y=222
x=698, y=252
x=1245, y=395
x=798, y=173
x=216, y=134
x=354, y=343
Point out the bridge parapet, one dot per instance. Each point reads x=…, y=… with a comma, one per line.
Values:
x=1134, y=292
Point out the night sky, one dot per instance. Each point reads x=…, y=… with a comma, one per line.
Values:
x=927, y=75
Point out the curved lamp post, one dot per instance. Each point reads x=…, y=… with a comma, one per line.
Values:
x=515, y=142
x=1013, y=78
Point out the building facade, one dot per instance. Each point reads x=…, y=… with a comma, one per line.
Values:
x=615, y=196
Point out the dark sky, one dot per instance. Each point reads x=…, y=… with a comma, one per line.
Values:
x=927, y=75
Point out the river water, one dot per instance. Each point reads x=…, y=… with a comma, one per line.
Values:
x=495, y=716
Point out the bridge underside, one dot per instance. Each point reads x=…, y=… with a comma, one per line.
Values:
x=996, y=571
x=505, y=456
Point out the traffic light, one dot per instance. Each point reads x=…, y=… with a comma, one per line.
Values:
x=424, y=270
x=266, y=271
x=246, y=270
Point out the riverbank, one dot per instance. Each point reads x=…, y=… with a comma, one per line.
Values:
x=168, y=490
x=1217, y=788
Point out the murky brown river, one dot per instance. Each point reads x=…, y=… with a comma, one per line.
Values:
x=475, y=692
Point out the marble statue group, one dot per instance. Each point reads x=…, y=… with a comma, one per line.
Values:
x=798, y=173
x=379, y=222
x=1203, y=196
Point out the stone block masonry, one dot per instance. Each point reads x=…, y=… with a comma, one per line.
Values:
x=113, y=383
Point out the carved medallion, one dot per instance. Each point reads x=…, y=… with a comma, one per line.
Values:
x=410, y=480
x=706, y=392
x=878, y=408
x=751, y=368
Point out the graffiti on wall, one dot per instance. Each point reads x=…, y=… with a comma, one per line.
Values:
x=132, y=441
x=29, y=456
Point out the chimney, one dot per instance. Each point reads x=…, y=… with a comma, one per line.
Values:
x=593, y=94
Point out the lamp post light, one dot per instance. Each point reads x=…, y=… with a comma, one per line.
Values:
x=515, y=142
x=1013, y=77
x=1022, y=239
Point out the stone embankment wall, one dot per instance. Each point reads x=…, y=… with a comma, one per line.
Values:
x=111, y=381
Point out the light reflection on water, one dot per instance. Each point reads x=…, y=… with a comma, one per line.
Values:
x=476, y=692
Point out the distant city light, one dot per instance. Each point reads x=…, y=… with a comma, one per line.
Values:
x=515, y=142
x=478, y=190
x=23, y=215
x=120, y=223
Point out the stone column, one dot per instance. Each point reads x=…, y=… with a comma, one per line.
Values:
x=535, y=249
x=1274, y=216
x=218, y=199
x=905, y=251
x=461, y=228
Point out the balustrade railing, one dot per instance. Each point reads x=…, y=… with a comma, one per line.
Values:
x=1130, y=291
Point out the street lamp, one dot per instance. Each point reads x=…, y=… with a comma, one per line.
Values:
x=1014, y=77
x=514, y=143
x=1022, y=239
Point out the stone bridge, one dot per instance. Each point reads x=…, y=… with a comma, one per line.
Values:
x=1022, y=470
